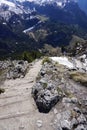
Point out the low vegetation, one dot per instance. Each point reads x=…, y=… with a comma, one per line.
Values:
x=79, y=77
x=1, y=72
x=2, y=75
x=59, y=90
x=2, y=90
x=46, y=59
x=45, y=85
x=42, y=18
x=27, y=55
x=68, y=94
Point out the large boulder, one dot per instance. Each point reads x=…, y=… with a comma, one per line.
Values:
x=46, y=100
x=45, y=97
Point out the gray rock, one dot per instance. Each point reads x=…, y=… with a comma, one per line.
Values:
x=66, y=100
x=81, y=119
x=59, y=128
x=42, y=81
x=81, y=127
x=63, y=120
x=76, y=109
x=65, y=125
x=74, y=122
x=45, y=90
x=46, y=100
x=50, y=86
x=74, y=100
x=36, y=88
x=42, y=73
x=70, y=100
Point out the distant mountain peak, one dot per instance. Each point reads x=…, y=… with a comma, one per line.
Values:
x=7, y=3
x=59, y=2
x=14, y=3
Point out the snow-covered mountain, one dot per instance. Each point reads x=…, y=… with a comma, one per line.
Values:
x=13, y=6
x=18, y=11
x=18, y=6
x=7, y=7
x=15, y=3
x=46, y=1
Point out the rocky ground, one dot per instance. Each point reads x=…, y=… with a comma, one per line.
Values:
x=60, y=101
x=55, y=90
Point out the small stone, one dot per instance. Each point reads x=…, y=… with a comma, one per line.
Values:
x=80, y=127
x=21, y=76
x=42, y=73
x=76, y=109
x=39, y=123
x=55, y=122
x=42, y=81
x=66, y=100
x=55, y=111
x=74, y=100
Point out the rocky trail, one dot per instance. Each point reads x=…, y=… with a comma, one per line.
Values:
x=17, y=107
x=18, y=110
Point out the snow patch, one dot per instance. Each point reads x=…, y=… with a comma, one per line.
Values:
x=59, y=4
x=64, y=61
x=7, y=3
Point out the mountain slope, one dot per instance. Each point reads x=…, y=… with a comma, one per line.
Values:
x=83, y=5
x=58, y=20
